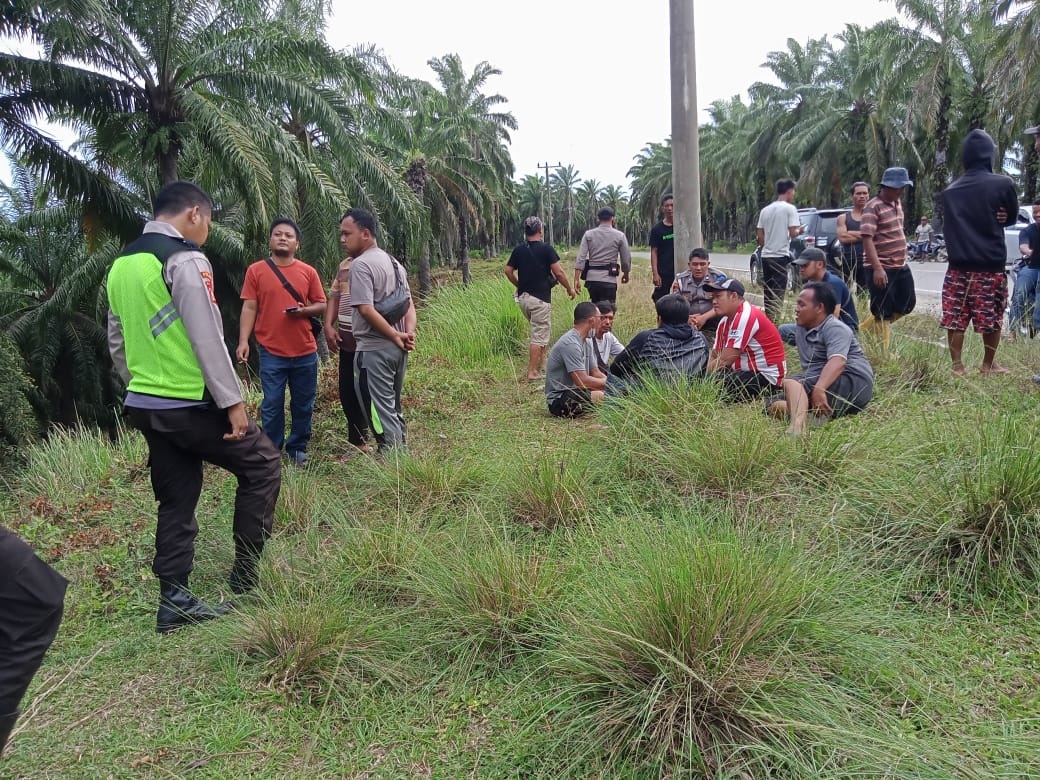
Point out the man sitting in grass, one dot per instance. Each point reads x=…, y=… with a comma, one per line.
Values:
x=748, y=356
x=690, y=285
x=604, y=346
x=836, y=378
x=671, y=350
x=571, y=384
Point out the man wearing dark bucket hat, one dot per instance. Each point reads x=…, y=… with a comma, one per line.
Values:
x=892, y=293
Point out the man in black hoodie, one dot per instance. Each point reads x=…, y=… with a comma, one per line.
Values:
x=671, y=350
x=975, y=290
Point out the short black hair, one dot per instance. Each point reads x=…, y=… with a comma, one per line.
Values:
x=286, y=221
x=673, y=309
x=179, y=196
x=823, y=294
x=584, y=311
x=700, y=252
x=667, y=197
x=784, y=185
x=606, y=307
x=363, y=218
x=857, y=184
x=1036, y=202
x=605, y=213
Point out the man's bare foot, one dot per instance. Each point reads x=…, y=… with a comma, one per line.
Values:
x=958, y=369
x=994, y=368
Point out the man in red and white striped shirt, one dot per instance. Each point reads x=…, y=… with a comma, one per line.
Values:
x=748, y=355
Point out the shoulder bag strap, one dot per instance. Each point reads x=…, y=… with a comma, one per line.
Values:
x=285, y=282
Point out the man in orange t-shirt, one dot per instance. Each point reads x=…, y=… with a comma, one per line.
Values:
x=281, y=320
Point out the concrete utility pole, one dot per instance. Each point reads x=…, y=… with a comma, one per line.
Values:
x=548, y=196
x=686, y=170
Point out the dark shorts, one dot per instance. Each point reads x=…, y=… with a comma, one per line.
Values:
x=974, y=296
x=848, y=394
x=573, y=403
x=899, y=297
x=602, y=291
x=743, y=385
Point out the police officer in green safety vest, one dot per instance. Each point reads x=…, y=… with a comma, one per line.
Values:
x=167, y=343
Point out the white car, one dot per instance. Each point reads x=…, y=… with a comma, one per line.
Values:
x=1011, y=233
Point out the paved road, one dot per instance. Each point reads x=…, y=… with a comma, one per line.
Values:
x=928, y=277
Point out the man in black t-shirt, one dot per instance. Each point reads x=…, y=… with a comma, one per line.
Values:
x=531, y=268
x=662, y=250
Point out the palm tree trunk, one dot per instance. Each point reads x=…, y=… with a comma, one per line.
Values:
x=415, y=176
x=941, y=172
x=425, y=276
x=464, y=253
x=168, y=158
x=1031, y=168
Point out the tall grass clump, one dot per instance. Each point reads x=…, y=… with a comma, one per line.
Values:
x=474, y=326
x=377, y=557
x=68, y=464
x=977, y=522
x=427, y=485
x=486, y=594
x=301, y=501
x=555, y=492
x=663, y=432
x=696, y=650
x=309, y=639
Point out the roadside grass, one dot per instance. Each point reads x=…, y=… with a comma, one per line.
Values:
x=700, y=650
x=668, y=588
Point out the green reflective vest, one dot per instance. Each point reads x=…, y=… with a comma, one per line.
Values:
x=158, y=352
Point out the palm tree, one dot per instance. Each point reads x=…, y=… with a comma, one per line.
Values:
x=565, y=179
x=938, y=42
x=849, y=134
x=148, y=82
x=463, y=108
x=1019, y=39
x=530, y=195
x=52, y=303
x=588, y=200
x=651, y=178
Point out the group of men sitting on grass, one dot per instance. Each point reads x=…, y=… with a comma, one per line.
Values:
x=746, y=356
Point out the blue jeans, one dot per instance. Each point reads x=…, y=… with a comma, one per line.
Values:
x=787, y=331
x=301, y=376
x=1027, y=286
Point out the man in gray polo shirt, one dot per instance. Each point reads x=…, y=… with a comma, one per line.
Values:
x=571, y=384
x=382, y=347
x=602, y=257
x=836, y=379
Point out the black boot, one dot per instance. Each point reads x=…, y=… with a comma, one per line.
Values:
x=6, y=727
x=177, y=607
x=244, y=575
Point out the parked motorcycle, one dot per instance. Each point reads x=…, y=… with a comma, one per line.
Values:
x=936, y=252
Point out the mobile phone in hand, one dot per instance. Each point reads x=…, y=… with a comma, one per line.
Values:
x=292, y=308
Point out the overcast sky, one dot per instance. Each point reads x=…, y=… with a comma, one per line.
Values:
x=588, y=81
